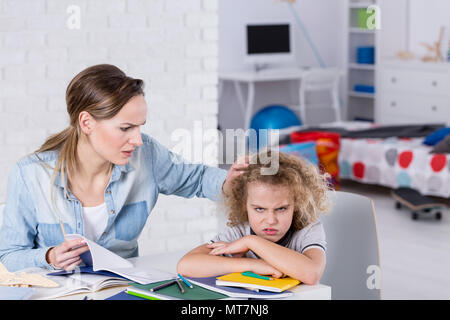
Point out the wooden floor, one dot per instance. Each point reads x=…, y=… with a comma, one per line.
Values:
x=414, y=254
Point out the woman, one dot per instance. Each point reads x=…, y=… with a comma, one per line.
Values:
x=100, y=178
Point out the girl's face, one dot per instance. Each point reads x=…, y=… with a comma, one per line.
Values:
x=115, y=139
x=270, y=210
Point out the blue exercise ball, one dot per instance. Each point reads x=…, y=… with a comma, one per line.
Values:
x=274, y=117
x=271, y=117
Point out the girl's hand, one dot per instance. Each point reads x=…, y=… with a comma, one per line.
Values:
x=236, y=248
x=259, y=266
x=67, y=254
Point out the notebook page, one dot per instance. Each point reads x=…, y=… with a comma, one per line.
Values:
x=102, y=259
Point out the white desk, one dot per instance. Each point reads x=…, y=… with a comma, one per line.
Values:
x=251, y=78
x=168, y=262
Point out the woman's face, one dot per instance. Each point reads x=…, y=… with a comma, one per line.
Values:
x=270, y=210
x=115, y=139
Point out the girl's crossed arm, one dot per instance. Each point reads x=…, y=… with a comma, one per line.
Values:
x=307, y=267
x=201, y=263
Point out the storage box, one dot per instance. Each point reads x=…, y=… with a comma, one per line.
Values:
x=366, y=55
x=363, y=15
x=364, y=88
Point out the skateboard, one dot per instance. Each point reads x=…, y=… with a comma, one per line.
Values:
x=417, y=203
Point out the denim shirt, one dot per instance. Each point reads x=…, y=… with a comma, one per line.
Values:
x=31, y=225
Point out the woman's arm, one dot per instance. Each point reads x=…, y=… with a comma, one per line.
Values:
x=19, y=227
x=307, y=267
x=200, y=263
x=175, y=176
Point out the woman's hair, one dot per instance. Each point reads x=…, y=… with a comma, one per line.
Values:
x=307, y=186
x=102, y=90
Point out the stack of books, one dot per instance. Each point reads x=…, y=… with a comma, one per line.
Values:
x=233, y=285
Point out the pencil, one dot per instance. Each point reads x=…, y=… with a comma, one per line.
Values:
x=163, y=285
x=62, y=229
x=254, y=275
x=185, y=281
x=179, y=285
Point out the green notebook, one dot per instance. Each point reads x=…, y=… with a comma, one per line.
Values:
x=173, y=292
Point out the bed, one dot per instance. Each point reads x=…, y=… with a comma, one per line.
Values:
x=395, y=162
x=391, y=156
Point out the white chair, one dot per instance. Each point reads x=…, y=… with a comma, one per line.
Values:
x=353, y=266
x=320, y=80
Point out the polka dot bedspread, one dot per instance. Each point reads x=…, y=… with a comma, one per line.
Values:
x=395, y=162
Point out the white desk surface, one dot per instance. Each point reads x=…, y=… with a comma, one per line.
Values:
x=168, y=262
x=276, y=74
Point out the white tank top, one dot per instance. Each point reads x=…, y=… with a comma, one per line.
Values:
x=95, y=220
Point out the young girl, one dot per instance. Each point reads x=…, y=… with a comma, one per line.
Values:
x=273, y=225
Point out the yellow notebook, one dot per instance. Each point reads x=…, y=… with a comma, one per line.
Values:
x=236, y=279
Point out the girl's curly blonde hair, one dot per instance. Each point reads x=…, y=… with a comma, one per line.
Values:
x=307, y=185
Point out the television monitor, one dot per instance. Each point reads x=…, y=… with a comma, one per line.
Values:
x=269, y=43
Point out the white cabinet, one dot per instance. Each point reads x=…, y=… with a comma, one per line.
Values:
x=408, y=91
x=413, y=92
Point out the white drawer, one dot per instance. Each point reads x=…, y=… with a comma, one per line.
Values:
x=397, y=104
x=414, y=108
x=395, y=80
x=433, y=108
x=413, y=81
x=432, y=83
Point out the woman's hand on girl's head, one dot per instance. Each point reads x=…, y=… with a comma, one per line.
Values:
x=236, y=170
x=67, y=254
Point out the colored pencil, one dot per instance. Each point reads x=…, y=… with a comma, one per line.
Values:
x=163, y=285
x=179, y=285
x=185, y=281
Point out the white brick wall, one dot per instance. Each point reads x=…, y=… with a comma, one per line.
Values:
x=170, y=44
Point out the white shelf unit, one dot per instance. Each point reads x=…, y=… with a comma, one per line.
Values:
x=405, y=91
x=358, y=105
x=360, y=4
x=361, y=94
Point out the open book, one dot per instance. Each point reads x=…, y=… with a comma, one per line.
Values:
x=101, y=259
x=78, y=283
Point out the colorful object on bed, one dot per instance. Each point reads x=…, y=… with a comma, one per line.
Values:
x=442, y=146
x=327, y=148
x=436, y=136
x=395, y=162
x=305, y=150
